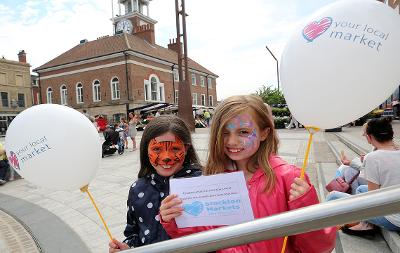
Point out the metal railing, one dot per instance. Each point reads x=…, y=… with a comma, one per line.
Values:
x=355, y=208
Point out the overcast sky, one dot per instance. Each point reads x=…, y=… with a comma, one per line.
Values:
x=226, y=36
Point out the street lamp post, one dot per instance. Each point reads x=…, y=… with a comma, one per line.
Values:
x=277, y=64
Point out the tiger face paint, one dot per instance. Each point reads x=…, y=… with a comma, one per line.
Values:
x=166, y=154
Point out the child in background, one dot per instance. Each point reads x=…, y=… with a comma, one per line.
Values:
x=165, y=150
x=4, y=166
x=124, y=133
x=243, y=138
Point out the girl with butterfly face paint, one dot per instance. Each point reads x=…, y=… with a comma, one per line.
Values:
x=243, y=138
x=166, y=151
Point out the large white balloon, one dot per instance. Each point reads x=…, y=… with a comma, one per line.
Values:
x=54, y=146
x=342, y=63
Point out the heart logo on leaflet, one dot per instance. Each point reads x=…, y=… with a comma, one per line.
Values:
x=194, y=209
x=315, y=29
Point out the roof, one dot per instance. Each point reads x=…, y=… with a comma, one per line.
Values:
x=118, y=43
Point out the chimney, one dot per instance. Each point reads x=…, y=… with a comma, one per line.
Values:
x=173, y=45
x=22, y=56
x=146, y=32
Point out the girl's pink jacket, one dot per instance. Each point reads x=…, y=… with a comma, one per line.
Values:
x=274, y=202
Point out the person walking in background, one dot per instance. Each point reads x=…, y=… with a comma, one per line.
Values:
x=396, y=108
x=207, y=117
x=243, y=138
x=166, y=151
x=124, y=133
x=133, y=120
x=4, y=166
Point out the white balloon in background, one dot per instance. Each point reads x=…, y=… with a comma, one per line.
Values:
x=54, y=146
x=342, y=63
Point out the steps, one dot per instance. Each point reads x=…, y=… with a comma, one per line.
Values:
x=387, y=242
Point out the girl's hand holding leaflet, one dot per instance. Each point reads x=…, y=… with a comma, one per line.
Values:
x=298, y=188
x=170, y=208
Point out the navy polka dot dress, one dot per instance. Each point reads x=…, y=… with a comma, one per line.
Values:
x=143, y=222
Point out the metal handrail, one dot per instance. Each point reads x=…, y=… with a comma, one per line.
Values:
x=359, y=207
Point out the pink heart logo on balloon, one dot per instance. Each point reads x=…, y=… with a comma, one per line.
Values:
x=13, y=159
x=315, y=29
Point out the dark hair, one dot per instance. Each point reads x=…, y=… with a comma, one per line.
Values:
x=159, y=126
x=381, y=129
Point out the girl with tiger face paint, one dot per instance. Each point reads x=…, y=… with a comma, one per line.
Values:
x=167, y=154
x=166, y=151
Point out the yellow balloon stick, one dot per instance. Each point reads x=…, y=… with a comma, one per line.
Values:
x=86, y=189
x=311, y=130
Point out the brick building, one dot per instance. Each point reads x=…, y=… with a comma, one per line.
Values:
x=15, y=89
x=116, y=73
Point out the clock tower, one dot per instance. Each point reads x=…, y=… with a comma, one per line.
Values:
x=132, y=16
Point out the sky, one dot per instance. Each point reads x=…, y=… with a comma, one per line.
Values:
x=228, y=37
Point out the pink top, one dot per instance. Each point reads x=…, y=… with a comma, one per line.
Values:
x=265, y=204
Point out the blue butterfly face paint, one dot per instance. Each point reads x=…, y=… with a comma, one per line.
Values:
x=241, y=137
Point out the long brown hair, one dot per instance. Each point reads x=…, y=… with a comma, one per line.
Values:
x=229, y=108
x=159, y=126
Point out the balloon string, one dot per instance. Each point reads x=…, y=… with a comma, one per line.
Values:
x=284, y=245
x=311, y=130
x=86, y=189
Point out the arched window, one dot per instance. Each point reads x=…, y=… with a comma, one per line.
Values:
x=115, y=91
x=153, y=89
x=63, y=95
x=96, y=91
x=79, y=93
x=49, y=95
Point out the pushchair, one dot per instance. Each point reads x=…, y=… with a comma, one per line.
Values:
x=112, y=142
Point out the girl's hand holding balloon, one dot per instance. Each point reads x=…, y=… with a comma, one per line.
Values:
x=298, y=188
x=117, y=246
x=170, y=208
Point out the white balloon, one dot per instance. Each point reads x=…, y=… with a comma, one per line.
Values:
x=54, y=146
x=342, y=63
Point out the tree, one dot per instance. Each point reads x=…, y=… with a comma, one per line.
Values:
x=270, y=95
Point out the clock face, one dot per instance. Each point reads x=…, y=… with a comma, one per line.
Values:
x=124, y=26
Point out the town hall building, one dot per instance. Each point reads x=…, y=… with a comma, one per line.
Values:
x=114, y=74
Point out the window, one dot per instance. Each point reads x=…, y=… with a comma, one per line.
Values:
x=49, y=95
x=4, y=99
x=146, y=92
x=176, y=96
x=210, y=101
x=176, y=75
x=35, y=82
x=153, y=89
x=193, y=79
x=63, y=94
x=37, y=98
x=161, y=93
x=203, y=99
x=202, y=81
x=18, y=80
x=115, y=92
x=194, y=97
x=209, y=81
x=96, y=91
x=118, y=116
x=2, y=78
x=21, y=100
x=79, y=93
